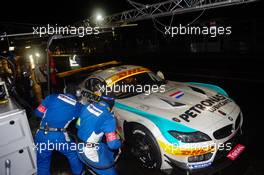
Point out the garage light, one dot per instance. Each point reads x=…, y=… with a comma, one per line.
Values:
x=31, y=60
x=99, y=18
x=11, y=48
x=37, y=54
x=27, y=47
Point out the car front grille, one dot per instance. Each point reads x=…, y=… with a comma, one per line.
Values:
x=223, y=132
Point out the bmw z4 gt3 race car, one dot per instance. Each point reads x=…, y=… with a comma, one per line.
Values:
x=167, y=123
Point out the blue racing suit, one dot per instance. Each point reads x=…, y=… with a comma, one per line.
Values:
x=56, y=112
x=95, y=121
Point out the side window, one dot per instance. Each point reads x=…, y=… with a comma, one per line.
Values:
x=87, y=84
x=93, y=84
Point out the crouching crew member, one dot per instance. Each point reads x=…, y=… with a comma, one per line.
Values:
x=56, y=112
x=97, y=120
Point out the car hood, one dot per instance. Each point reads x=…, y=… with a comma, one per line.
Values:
x=190, y=105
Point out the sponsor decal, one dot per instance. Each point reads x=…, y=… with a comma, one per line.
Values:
x=230, y=118
x=110, y=136
x=42, y=108
x=67, y=99
x=200, y=165
x=122, y=75
x=210, y=104
x=221, y=112
x=235, y=152
x=177, y=95
x=176, y=119
x=178, y=150
x=91, y=108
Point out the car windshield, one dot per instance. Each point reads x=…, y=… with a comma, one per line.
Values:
x=136, y=84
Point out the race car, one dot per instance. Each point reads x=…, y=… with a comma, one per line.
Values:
x=167, y=123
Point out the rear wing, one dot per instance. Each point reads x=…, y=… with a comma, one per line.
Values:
x=92, y=67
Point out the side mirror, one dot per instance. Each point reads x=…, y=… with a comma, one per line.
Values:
x=161, y=75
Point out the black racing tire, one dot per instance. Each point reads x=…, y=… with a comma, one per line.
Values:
x=142, y=145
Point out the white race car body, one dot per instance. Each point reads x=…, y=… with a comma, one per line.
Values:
x=181, y=107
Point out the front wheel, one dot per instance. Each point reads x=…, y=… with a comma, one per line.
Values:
x=144, y=147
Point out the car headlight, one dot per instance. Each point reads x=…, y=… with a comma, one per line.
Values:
x=190, y=137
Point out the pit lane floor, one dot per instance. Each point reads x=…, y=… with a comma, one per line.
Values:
x=250, y=161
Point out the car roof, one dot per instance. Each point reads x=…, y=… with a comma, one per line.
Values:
x=106, y=73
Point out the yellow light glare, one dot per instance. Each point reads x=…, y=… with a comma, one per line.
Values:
x=37, y=54
x=32, y=63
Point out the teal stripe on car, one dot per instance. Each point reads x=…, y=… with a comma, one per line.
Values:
x=210, y=86
x=163, y=124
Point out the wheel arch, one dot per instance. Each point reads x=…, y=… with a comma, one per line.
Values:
x=128, y=128
x=149, y=125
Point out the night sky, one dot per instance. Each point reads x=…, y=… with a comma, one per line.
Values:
x=22, y=14
x=60, y=12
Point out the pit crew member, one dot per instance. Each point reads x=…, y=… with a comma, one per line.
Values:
x=96, y=120
x=56, y=112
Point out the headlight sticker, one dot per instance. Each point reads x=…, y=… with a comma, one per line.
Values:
x=186, y=150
